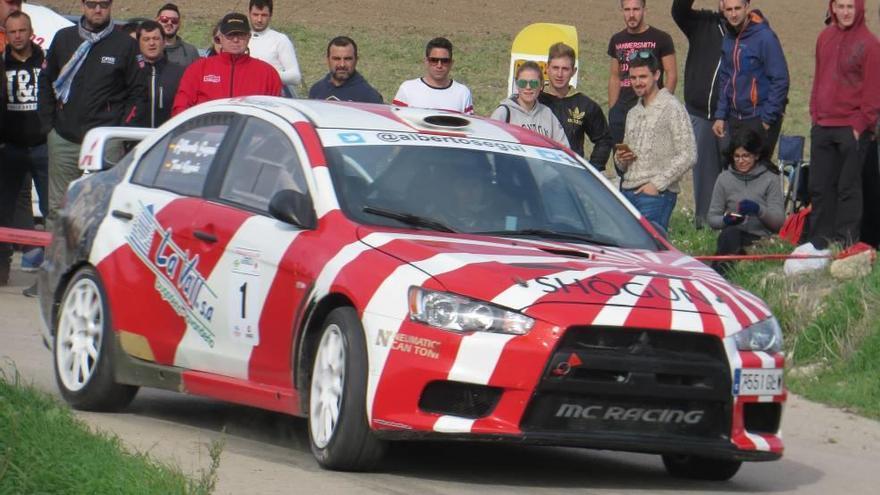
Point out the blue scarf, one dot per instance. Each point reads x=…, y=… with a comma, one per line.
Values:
x=68, y=72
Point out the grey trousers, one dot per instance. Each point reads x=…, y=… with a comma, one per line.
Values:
x=63, y=169
x=710, y=161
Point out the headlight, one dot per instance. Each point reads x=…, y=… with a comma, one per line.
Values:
x=764, y=336
x=462, y=314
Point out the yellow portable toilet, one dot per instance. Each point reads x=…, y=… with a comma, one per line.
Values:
x=533, y=43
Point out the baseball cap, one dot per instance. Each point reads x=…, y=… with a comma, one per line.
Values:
x=234, y=23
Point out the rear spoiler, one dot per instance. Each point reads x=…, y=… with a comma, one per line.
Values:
x=104, y=147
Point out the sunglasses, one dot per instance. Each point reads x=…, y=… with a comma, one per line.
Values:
x=640, y=54
x=439, y=60
x=104, y=4
x=165, y=19
x=528, y=83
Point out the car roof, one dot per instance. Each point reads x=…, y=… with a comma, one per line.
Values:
x=376, y=117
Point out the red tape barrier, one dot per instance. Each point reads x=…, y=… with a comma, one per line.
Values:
x=26, y=237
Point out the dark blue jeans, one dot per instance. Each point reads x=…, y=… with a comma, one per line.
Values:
x=657, y=209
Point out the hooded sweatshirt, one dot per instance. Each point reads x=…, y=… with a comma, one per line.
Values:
x=846, y=84
x=539, y=119
x=759, y=185
x=355, y=88
x=754, y=73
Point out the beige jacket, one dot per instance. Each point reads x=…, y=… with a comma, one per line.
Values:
x=662, y=139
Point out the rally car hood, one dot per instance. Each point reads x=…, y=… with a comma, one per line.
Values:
x=570, y=284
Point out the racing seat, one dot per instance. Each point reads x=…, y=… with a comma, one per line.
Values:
x=795, y=172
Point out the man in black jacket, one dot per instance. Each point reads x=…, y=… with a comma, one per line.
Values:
x=92, y=78
x=24, y=144
x=163, y=77
x=705, y=29
x=579, y=115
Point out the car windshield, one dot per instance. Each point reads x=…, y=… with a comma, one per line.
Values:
x=511, y=190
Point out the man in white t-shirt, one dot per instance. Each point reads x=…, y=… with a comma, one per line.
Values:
x=271, y=46
x=436, y=89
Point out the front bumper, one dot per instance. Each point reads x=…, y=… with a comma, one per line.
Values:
x=635, y=390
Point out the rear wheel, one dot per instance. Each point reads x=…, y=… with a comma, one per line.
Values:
x=84, y=348
x=339, y=433
x=700, y=468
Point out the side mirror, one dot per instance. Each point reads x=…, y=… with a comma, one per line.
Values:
x=294, y=208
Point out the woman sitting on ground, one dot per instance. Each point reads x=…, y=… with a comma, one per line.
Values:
x=747, y=202
x=523, y=109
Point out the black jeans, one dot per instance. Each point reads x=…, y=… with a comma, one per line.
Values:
x=771, y=135
x=731, y=240
x=17, y=164
x=837, y=161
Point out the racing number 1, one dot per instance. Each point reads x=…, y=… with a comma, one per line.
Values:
x=243, y=290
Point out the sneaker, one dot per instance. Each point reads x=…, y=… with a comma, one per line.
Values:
x=31, y=260
x=31, y=291
x=816, y=260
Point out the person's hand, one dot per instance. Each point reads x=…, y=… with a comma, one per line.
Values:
x=856, y=134
x=766, y=126
x=718, y=128
x=649, y=189
x=624, y=158
x=731, y=219
x=748, y=207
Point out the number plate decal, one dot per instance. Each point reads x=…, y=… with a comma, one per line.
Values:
x=758, y=382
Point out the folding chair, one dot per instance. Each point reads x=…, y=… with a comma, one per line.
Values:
x=795, y=172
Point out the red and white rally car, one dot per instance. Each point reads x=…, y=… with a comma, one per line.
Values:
x=397, y=273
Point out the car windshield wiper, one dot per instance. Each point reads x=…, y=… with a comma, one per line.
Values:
x=409, y=219
x=553, y=234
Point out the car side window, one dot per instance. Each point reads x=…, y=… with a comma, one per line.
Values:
x=181, y=161
x=263, y=163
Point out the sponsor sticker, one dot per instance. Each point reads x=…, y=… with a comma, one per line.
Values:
x=244, y=292
x=108, y=60
x=211, y=78
x=410, y=344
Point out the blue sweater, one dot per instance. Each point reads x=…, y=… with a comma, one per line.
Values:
x=355, y=88
x=754, y=74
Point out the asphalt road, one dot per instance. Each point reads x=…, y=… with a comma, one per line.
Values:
x=827, y=451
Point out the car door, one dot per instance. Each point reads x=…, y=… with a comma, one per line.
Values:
x=146, y=247
x=257, y=285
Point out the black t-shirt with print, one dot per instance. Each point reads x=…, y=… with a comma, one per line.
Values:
x=624, y=43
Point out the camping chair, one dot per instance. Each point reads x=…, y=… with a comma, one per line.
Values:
x=795, y=170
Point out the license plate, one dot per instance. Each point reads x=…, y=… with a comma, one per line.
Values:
x=757, y=382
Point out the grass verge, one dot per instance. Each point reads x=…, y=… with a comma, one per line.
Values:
x=45, y=449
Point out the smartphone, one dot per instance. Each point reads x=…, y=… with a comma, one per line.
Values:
x=736, y=215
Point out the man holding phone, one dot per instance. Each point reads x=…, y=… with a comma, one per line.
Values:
x=658, y=146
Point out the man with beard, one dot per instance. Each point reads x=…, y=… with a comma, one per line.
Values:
x=659, y=139
x=177, y=51
x=753, y=77
x=343, y=82
x=705, y=30
x=637, y=35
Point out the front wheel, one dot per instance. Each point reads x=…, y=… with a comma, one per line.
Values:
x=83, y=348
x=700, y=468
x=339, y=433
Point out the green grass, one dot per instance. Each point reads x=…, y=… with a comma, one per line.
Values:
x=45, y=449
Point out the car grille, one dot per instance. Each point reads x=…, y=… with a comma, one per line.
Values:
x=612, y=380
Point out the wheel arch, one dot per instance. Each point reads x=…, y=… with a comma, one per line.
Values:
x=307, y=341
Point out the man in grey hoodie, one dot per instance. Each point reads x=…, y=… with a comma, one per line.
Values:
x=524, y=110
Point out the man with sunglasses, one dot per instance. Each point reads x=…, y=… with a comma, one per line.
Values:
x=436, y=89
x=92, y=78
x=177, y=51
x=659, y=146
x=636, y=36
x=230, y=73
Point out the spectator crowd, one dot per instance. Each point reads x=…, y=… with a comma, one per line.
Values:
x=724, y=130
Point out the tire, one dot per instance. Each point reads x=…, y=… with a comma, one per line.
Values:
x=339, y=433
x=700, y=468
x=83, y=349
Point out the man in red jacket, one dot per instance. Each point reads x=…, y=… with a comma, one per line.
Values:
x=230, y=73
x=844, y=106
